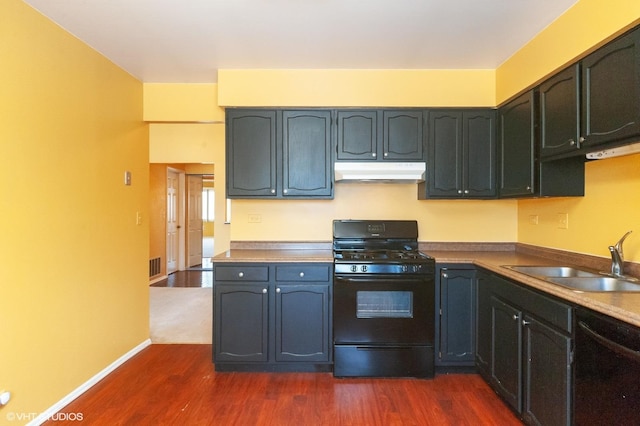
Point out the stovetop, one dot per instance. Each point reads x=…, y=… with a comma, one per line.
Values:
x=378, y=256
x=384, y=247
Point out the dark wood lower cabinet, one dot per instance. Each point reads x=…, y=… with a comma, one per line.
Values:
x=524, y=349
x=456, y=316
x=302, y=323
x=272, y=317
x=547, y=374
x=506, y=365
x=241, y=323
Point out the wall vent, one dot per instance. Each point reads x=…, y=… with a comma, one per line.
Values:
x=154, y=266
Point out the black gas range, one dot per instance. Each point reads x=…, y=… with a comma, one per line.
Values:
x=384, y=300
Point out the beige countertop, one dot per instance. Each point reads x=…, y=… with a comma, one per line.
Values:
x=624, y=306
x=274, y=255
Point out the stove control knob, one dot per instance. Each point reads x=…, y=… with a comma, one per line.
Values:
x=405, y=268
x=364, y=268
x=354, y=268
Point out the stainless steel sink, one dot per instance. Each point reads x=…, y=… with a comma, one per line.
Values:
x=595, y=284
x=552, y=271
x=578, y=279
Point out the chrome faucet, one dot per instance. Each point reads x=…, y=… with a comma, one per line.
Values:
x=617, y=257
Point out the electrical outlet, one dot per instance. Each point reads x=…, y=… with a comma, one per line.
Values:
x=563, y=220
x=255, y=218
x=533, y=219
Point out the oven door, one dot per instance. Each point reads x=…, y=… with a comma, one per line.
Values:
x=383, y=309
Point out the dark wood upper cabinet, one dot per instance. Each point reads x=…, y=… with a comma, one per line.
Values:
x=516, y=146
x=559, y=113
x=306, y=154
x=402, y=135
x=251, y=153
x=461, y=154
x=279, y=153
x=357, y=135
x=593, y=104
x=380, y=135
x=611, y=92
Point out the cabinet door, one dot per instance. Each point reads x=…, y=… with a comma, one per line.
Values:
x=547, y=375
x=517, y=141
x=559, y=112
x=483, y=324
x=457, y=317
x=306, y=154
x=357, y=135
x=241, y=322
x=302, y=331
x=611, y=91
x=506, y=348
x=479, y=153
x=402, y=135
x=444, y=154
x=251, y=153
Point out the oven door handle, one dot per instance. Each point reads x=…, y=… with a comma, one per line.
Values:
x=610, y=344
x=373, y=278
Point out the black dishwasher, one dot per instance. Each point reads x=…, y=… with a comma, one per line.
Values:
x=607, y=371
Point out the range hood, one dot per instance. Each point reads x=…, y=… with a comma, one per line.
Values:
x=615, y=152
x=379, y=171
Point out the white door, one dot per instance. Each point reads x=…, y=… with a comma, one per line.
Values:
x=173, y=223
x=194, y=221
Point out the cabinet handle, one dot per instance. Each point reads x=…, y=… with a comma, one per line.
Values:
x=572, y=142
x=459, y=191
x=445, y=276
x=278, y=290
x=528, y=188
x=582, y=139
x=286, y=191
x=273, y=191
x=241, y=274
x=466, y=191
x=301, y=274
x=386, y=154
x=264, y=291
x=373, y=154
x=515, y=317
x=525, y=323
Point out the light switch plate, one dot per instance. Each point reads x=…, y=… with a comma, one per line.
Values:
x=127, y=178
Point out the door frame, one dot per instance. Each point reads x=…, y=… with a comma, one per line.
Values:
x=181, y=218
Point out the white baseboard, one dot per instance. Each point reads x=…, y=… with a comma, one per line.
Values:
x=160, y=278
x=44, y=416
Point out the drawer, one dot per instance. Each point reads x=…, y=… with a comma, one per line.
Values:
x=303, y=272
x=547, y=308
x=241, y=273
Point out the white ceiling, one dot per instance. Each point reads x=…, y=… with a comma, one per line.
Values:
x=187, y=41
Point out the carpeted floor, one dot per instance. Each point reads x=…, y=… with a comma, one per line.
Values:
x=180, y=315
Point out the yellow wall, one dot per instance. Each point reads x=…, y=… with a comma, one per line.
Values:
x=181, y=103
x=364, y=88
x=74, y=286
x=457, y=220
x=610, y=207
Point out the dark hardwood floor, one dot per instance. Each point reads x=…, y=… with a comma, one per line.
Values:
x=189, y=278
x=177, y=385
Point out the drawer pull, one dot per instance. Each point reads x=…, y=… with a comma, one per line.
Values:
x=278, y=290
x=264, y=291
x=241, y=274
x=301, y=274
